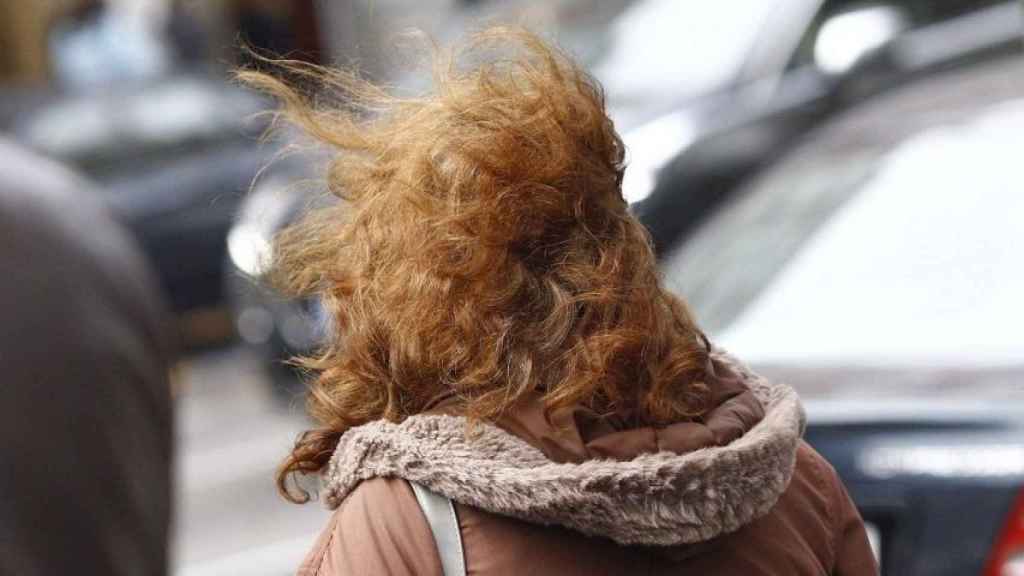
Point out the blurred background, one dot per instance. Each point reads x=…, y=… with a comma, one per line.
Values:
x=834, y=185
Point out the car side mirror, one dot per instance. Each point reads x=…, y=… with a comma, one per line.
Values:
x=846, y=39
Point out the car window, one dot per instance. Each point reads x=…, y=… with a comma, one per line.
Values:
x=669, y=48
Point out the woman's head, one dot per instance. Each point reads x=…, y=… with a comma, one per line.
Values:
x=482, y=250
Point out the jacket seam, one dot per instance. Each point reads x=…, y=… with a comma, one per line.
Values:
x=326, y=550
x=828, y=488
x=837, y=496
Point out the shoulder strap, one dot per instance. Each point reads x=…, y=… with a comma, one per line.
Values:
x=444, y=524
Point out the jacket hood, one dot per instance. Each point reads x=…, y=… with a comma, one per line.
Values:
x=681, y=484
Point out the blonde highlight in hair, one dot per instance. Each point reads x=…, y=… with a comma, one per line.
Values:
x=482, y=250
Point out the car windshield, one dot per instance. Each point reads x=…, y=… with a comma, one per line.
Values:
x=860, y=255
x=668, y=48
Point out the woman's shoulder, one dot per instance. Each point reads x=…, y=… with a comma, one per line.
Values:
x=825, y=494
x=378, y=528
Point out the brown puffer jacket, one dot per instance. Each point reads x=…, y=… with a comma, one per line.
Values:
x=737, y=493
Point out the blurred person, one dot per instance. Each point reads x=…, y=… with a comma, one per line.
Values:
x=502, y=340
x=102, y=42
x=85, y=405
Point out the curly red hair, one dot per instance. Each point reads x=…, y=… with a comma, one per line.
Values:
x=482, y=251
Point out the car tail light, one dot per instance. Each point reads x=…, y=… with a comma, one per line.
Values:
x=1008, y=553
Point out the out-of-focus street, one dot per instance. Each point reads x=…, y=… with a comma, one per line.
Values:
x=831, y=185
x=231, y=434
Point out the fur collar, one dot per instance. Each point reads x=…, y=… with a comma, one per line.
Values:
x=654, y=499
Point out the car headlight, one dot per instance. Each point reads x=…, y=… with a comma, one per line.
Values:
x=649, y=147
x=266, y=210
x=250, y=250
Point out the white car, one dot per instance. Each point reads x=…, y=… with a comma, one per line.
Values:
x=879, y=268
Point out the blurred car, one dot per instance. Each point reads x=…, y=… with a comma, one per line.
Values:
x=172, y=158
x=134, y=102
x=740, y=93
x=877, y=268
x=704, y=93
x=274, y=326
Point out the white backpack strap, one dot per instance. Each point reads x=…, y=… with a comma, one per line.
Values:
x=440, y=513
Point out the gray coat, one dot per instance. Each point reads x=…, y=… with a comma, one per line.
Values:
x=85, y=406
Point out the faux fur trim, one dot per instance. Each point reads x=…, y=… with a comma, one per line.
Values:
x=654, y=499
